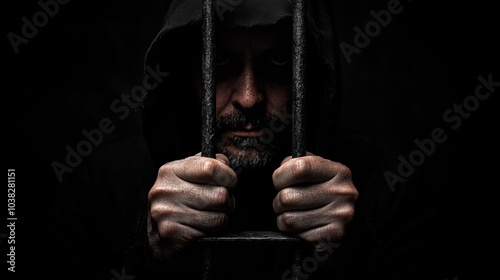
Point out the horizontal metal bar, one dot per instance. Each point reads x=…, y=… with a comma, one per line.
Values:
x=252, y=236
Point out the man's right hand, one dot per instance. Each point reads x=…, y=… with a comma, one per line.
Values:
x=189, y=199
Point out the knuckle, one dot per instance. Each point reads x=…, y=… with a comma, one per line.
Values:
x=165, y=169
x=222, y=157
x=281, y=226
x=347, y=191
x=354, y=193
x=167, y=230
x=288, y=220
x=301, y=168
x=159, y=190
x=287, y=197
x=220, y=196
x=158, y=211
x=155, y=213
x=161, y=186
x=209, y=167
x=154, y=192
x=346, y=213
x=343, y=172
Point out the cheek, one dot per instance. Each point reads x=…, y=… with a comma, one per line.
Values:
x=223, y=99
x=277, y=99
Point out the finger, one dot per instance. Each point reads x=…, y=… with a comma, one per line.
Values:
x=178, y=235
x=308, y=170
x=220, y=157
x=299, y=221
x=301, y=198
x=330, y=232
x=209, y=198
x=196, y=196
x=290, y=157
x=313, y=196
x=205, y=171
x=206, y=221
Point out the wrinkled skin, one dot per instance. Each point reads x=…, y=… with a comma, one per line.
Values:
x=192, y=197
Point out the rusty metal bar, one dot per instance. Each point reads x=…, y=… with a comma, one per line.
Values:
x=208, y=80
x=252, y=236
x=208, y=263
x=208, y=124
x=208, y=104
x=298, y=81
x=298, y=89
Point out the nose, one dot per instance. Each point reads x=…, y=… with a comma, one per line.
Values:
x=247, y=94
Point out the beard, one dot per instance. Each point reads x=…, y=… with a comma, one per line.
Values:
x=251, y=152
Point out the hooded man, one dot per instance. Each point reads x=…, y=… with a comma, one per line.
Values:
x=253, y=183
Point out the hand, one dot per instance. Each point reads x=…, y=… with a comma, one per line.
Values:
x=316, y=198
x=189, y=199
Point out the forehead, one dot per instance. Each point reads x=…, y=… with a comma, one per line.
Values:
x=256, y=39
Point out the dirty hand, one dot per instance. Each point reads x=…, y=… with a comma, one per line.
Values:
x=316, y=198
x=189, y=199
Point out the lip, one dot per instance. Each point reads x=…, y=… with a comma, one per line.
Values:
x=247, y=133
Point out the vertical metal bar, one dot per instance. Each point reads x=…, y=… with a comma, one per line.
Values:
x=208, y=80
x=298, y=83
x=297, y=259
x=298, y=90
x=208, y=263
x=208, y=106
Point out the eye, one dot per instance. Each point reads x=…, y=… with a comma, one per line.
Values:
x=280, y=59
x=221, y=60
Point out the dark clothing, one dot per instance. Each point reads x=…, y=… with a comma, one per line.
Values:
x=435, y=225
x=178, y=40
x=89, y=238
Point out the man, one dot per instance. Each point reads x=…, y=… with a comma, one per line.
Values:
x=253, y=183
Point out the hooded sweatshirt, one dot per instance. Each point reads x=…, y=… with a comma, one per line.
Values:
x=172, y=125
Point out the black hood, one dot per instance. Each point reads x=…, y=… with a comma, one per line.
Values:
x=171, y=112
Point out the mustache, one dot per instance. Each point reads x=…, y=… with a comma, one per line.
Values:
x=239, y=120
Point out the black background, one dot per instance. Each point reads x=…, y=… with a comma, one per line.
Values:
x=396, y=90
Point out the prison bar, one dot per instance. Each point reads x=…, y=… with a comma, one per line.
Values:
x=210, y=243
x=298, y=83
x=208, y=80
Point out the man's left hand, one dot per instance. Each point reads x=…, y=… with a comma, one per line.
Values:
x=316, y=197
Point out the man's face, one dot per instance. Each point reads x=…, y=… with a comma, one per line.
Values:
x=253, y=73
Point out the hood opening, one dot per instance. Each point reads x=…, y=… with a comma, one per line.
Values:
x=171, y=112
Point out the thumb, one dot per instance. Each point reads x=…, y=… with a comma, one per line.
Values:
x=222, y=158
